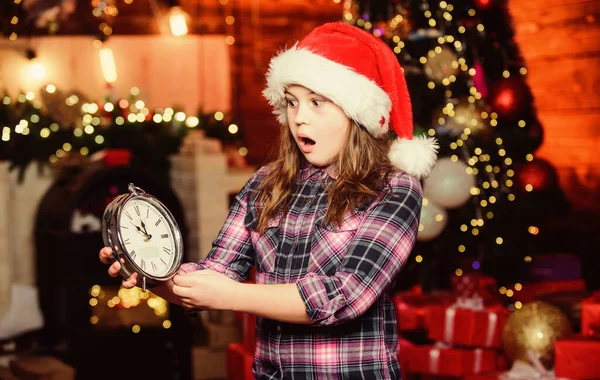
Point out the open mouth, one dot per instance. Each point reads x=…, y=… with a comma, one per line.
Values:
x=306, y=144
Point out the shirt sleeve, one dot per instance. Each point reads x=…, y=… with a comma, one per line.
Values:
x=378, y=251
x=232, y=253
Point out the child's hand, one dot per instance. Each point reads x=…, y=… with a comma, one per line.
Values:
x=115, y=267
x=205, y=289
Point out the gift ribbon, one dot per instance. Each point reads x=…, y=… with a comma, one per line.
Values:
x=477, y=363
x=434, y=360
x=492, y=321
x=434, y=357
x=449, y=323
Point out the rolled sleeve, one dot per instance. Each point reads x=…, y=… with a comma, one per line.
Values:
x=374, y=258
x=232, y=253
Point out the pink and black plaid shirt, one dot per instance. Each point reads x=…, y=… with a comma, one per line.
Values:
x=344, y=275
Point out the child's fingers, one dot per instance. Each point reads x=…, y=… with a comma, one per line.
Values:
x=105, y=254
x=114, y=269
x=131, y=281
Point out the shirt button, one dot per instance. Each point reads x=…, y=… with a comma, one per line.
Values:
x=341, y=300
x=308, y=201
x=278, y=328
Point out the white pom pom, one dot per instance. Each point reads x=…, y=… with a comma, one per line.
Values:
x=416, y=157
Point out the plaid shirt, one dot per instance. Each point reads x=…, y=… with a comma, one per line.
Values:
x=344, y=276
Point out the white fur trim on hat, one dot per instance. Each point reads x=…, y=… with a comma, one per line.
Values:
x=416, y=157
x=361, y=99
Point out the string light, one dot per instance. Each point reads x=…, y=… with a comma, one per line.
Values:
x=178, y=21
x=229, y=22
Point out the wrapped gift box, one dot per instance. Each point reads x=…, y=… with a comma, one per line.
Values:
x=239, y=362
x=577, y=358
x=590, y=316
x=435, y=360
x=412, y=307
x=533, y=291
x=248, y=328
x=403, y=356
x=467, y=327
x=476, y=285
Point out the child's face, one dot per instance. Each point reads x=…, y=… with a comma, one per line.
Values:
x=317, y=124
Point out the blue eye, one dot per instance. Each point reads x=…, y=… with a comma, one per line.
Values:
x=318, y=102
x=291, y=102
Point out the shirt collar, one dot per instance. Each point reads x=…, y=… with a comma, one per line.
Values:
x=308, y=170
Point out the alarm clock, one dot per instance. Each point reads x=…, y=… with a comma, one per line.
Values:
x=144, y=237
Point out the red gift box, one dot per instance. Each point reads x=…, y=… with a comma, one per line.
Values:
x=449, y=361
x=403, y=359
x=248, y=328
x=590, y=316
x=531, y=292
x=239, y=362
x=576, y=357
x=411, y=307
x=467, y=327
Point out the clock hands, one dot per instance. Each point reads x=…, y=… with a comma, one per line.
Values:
x=146, y=235
x=145, y=231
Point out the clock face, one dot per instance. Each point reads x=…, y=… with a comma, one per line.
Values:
x=147, y=235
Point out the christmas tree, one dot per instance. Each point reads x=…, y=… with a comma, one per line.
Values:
x=488, y=193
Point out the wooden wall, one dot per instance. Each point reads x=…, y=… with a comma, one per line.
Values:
x=559, y=40
x=262, y=28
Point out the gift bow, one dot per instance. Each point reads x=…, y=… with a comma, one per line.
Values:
x=470, y=303
x=522, y=370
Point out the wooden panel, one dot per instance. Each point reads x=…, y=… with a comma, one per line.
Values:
x=535, y=5
x=571, y=124
x=564, y=30
x=139, y=17
x=559, y=42
x=261, y=30
x=565, y=84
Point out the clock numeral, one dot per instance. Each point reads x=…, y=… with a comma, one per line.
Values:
x=154, y=266
x=129, y=216
x=164, y=262
x=124, y=227
x=143, y=264
x=126, y=241
x=147, y=212
x=158, y=222
x=132, y=254
x=167, y=250
x=164, y=236
x=137, y=209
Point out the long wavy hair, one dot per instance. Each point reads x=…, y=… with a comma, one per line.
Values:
x=363, y=168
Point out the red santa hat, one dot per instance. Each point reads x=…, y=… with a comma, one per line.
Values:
x=361, y=74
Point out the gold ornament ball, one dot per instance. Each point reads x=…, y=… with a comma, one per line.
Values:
x=441, y=65
x=536, y=326
x=464, y=115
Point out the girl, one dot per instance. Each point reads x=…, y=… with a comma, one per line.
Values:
x=329, y=223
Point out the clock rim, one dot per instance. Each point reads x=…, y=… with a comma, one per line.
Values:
x=155, y=202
